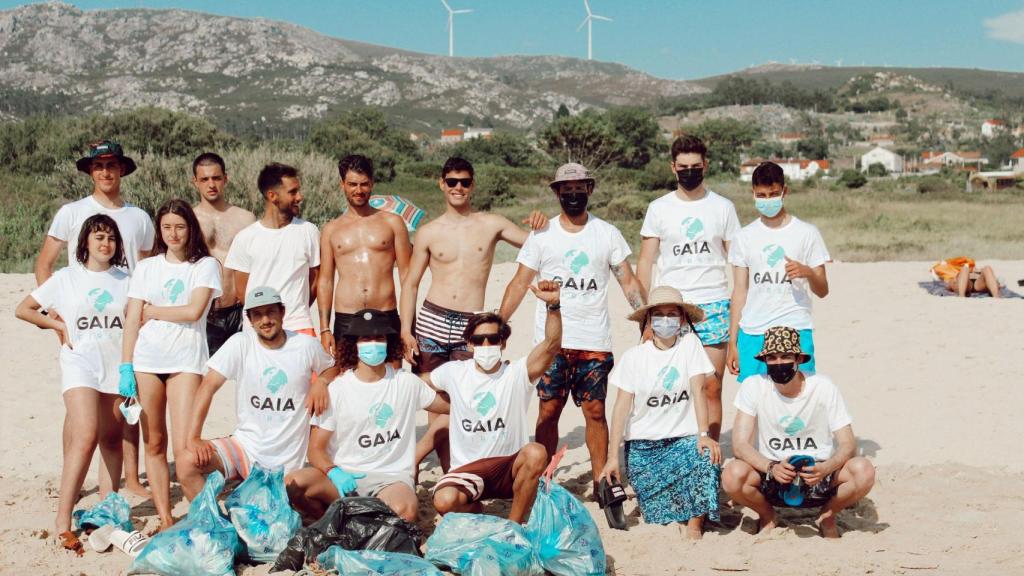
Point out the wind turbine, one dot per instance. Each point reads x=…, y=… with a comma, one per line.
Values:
x=451, y=27
x=589, y=21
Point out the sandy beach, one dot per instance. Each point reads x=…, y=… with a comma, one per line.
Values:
x=932, y=384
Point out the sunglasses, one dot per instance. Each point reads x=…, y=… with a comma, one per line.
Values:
x=452, y=182
x=480, y=339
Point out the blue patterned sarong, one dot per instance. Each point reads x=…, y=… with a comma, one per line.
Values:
x=673, y=483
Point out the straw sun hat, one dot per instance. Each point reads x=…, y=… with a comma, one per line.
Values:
x=667, y=295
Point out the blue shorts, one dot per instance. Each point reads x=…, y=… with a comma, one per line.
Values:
x=714, y=329
x=749, y=345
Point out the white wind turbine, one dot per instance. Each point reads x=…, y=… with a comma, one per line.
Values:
x=589, y=21
x=451, y=26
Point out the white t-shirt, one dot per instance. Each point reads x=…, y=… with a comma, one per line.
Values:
x=692, y=238
x=660, y=381
x=772, y=300
x=134, y=225
x=167, y=347
x=789, y=426
x=488, y=411
x=374, y=423
x=92, y=306
x=280, y=258
x=270, y=396
x=582, y=262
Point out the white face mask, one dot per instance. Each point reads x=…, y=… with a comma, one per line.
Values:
x=665, y=326
x=131, y=410
x=487, y=357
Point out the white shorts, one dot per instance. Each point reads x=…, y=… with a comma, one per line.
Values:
x=85, y=371
x=374, y=483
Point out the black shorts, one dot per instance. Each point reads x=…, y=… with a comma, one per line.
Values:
x=343, y=319
x=221, y=324
x=814, y=497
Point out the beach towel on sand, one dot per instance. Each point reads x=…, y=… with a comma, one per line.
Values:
x=939, y=288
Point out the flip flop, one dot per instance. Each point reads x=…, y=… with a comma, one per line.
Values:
x=611, y=497
x=794, y=494
x=69, y=541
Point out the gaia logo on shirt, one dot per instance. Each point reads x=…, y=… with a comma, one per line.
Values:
x=577, y=262
x=172, y=289
x=273, y=379
x=692, y=228
x=483, y=404
x=99, y=298
x=380, y=413
x=667, y=378
x=791, y=426
x=773, y=254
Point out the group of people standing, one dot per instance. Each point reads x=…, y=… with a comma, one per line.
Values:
x=163, y=316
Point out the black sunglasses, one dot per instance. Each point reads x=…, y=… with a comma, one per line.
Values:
x=452, y=182
x=479, y=339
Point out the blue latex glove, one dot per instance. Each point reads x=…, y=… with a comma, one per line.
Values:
x=344, y=481
x=126, y=384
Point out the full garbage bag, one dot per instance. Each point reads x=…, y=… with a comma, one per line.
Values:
x=261, y=514
x=481, y=545
x=565, y=537
x=113, y=510
x=356, y=523
x=204, y=543
x=374, y=562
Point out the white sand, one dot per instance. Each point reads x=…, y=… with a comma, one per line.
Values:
x=932, y=383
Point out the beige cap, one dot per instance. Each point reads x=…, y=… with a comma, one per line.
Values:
x=571, y=172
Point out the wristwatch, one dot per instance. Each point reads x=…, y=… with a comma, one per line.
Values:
x=704, y=434
x=554, y=307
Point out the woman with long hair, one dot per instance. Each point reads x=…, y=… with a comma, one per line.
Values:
x=88, y=298
x=165, y=351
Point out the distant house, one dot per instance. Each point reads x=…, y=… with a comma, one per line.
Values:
x=1017, y=161
x=1018, y=131
x=992, y=127
x=452, y=135
x=892, y=161
x=882, y=140
x=484, y=133
x=1001, y=180
x=790, y=137
x=935, y=160
x=792, y=168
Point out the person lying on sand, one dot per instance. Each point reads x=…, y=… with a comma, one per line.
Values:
x=805, y=451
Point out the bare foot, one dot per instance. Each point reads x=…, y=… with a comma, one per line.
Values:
x=694, y=530
x=828, y=527
x=766, y=524
x=137, y=489
x=164, y=525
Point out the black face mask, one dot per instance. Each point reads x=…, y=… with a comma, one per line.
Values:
x=574, y=204
x=782, y=373
x=690, y=178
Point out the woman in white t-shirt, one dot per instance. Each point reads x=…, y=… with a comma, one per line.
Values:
x=165, y=347
x=662, y=412
x=88, y=298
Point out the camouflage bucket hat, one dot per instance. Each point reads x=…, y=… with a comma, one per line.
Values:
x=571, y=172
x=105, y=149
x=782, y=340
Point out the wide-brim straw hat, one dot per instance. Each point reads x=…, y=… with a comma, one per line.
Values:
x=782, y=340
x=667, y=295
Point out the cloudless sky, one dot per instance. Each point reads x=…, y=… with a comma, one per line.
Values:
x=681, y=39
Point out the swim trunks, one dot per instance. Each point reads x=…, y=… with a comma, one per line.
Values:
x=438, y=333
x=581, y=372
x=221, y=324
x=482, y=479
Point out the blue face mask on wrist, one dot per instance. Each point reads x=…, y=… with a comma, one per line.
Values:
x=373, y=353
x=769, y=207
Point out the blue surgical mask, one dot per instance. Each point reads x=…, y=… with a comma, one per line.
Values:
x=768, y=207
x=373, y=353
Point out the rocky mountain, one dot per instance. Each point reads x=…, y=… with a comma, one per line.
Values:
x=256, y=70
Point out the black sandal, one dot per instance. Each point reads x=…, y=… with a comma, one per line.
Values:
x=611, y=497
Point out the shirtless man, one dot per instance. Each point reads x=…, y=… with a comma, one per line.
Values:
x=458, y=247
x=362, y=246
x=220, y=221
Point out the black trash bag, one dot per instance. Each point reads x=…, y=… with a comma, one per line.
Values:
x=354, y=524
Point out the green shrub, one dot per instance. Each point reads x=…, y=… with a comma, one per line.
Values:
x=493, y=188
x=852, y=178
x=934, y=185
x=877, y=169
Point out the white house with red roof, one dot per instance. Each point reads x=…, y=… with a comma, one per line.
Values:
x=792, y=168
x=892, y=161
x=992, y=127
x=1017, y=161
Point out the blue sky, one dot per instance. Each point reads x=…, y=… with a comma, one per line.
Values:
x=682, y=39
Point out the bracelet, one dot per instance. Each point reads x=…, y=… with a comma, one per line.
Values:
x=554, y=307
x=328, y=331
x=768, y=472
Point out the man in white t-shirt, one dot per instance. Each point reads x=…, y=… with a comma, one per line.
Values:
x=365, y=441
x=106, y=164
x=803, y=453
x=273, y=397
x=489, y=438
x=280, y=249
x=778, y=262
x=687, y=232
x=581, y=252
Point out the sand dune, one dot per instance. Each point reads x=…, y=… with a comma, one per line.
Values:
x=932, y=383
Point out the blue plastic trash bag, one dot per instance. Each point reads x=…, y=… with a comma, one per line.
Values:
x=204, y=543
x=113, y=509
x=260, y=512
x=480, y=545
x=564, y=535
x=374, y=562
